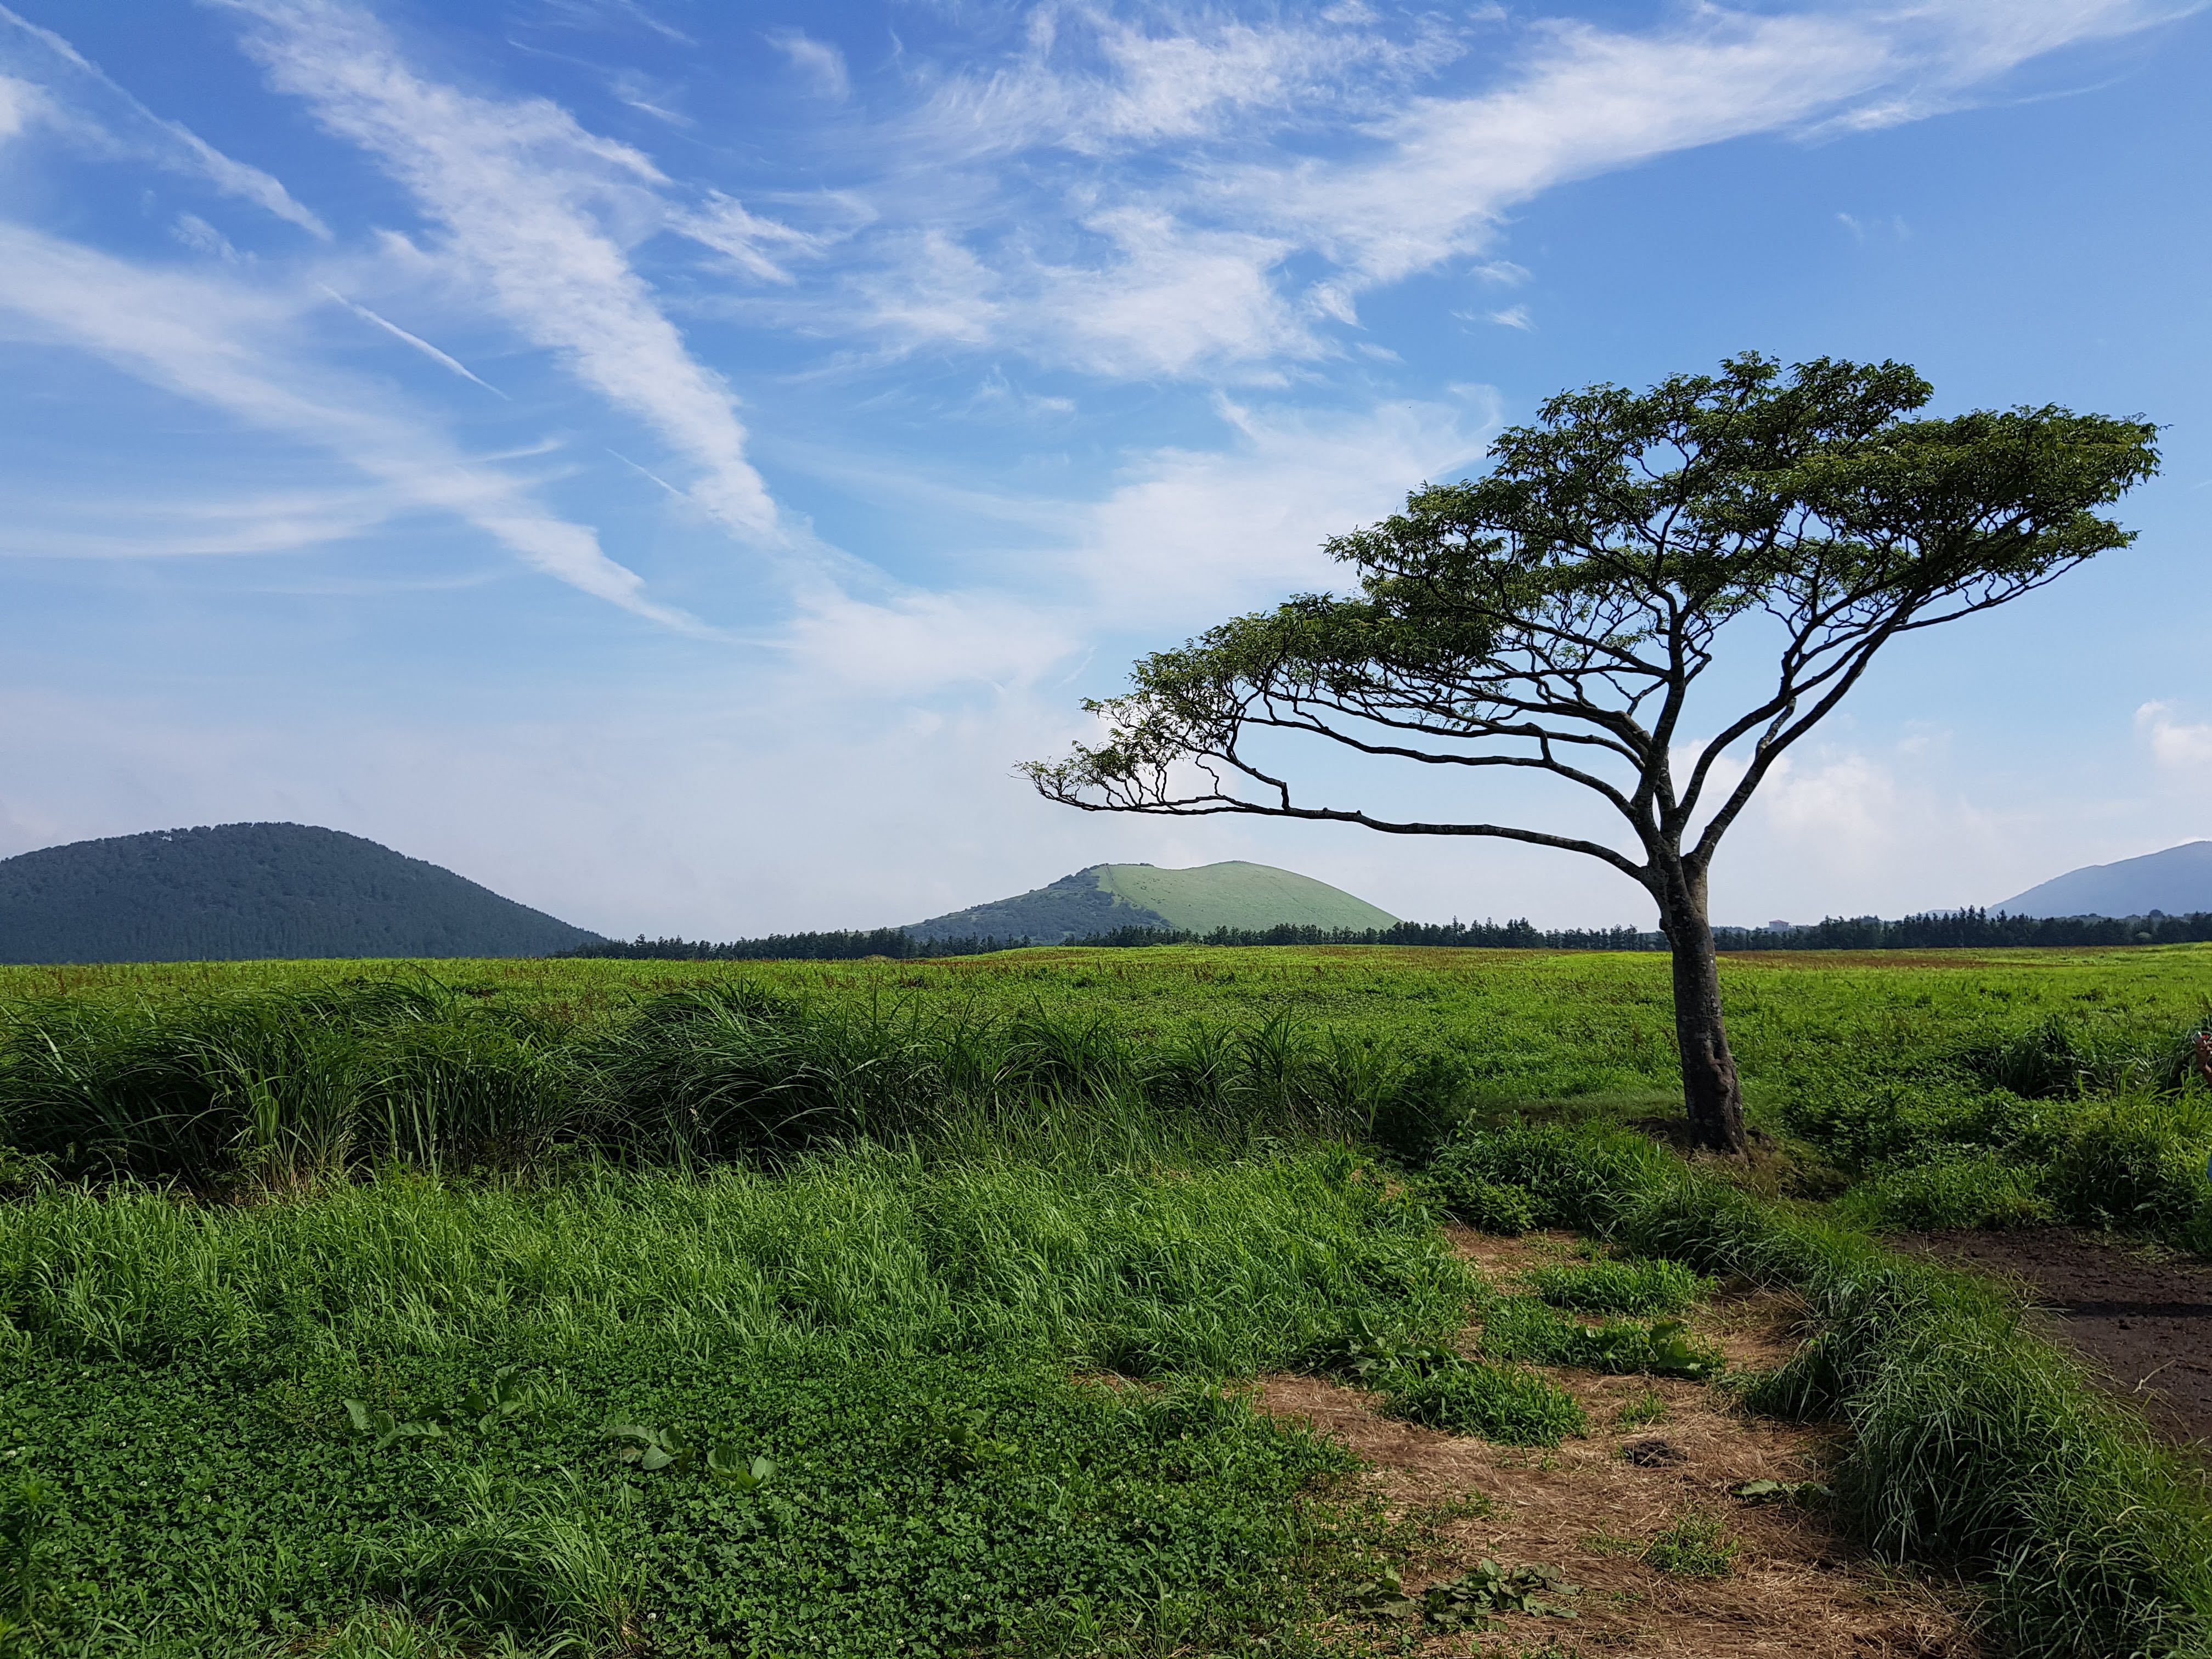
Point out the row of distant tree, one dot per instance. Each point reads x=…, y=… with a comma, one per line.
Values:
x=1934, y=930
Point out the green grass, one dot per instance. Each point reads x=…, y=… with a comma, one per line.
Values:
x=1871, y=1066
x=891, y=1225
x=907, y=1338
x=1621, y=1287
x=1509, y=1404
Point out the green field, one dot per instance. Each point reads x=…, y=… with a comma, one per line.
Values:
x=397, y=1309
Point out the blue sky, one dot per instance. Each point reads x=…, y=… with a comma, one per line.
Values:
x=669, y=461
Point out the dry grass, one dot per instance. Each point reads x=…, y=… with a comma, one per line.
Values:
x=1587, y=1507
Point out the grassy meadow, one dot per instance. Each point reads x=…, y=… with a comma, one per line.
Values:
x=633, y=1307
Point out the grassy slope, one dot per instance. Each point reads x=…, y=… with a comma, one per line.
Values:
x=1240, y=894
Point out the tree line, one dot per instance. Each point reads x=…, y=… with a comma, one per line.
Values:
x=1934, y=930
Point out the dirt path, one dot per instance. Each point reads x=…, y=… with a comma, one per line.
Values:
x=2145, y=1324
x=1588, y=1508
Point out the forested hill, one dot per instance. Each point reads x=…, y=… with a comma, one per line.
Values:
x=244, y=891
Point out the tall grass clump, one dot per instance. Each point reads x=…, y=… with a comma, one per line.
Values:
x=287, y=1086
x=1972, y=1440
x=713, y=1073
x=267, y=1083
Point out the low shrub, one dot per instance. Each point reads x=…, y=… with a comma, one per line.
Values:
x=1863, y=1120
x=1509, y=1404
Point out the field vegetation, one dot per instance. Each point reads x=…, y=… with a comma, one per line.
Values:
x=894, y=1307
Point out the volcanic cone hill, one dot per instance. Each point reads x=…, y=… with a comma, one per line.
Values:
x=239, y=891
x=1106, y=897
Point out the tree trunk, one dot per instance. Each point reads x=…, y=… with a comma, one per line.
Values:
x=1710, y=1089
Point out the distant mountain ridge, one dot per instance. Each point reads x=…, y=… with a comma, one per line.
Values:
x=2178, y=881
x=246, y=892
x=1107, y=896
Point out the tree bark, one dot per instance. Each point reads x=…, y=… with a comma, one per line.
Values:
x=1710, y=1088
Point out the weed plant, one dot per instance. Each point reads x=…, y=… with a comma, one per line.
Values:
x=1693, y=1545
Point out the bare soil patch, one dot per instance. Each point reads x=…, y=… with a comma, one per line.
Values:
x=2143, y=1322
x=1588, y=1507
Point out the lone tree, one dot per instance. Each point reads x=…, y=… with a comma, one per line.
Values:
x=1557, y=613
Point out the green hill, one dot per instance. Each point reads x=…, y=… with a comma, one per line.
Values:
x=1109, y=896
x=239, y=891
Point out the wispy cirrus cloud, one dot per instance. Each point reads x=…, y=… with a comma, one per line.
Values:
x=249, y=524
x=1245, y=181
x=51, y=78
x=537, y=208
x=217, y=343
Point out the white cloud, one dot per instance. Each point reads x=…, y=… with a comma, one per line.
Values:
x=1588, y=101
x=1187, y=264
x=1843, y=807
x=817, y=62
x=19, y=103
x=521, y=189
x=250, y=522
x=36, y=51
x=196, y=233
x=2175, y=744
x=913, y=645
x=929, y=288
x=745, y=239
x=213, y=341
x=1169, y=300
x=1087, y=83
x=1189, y=533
